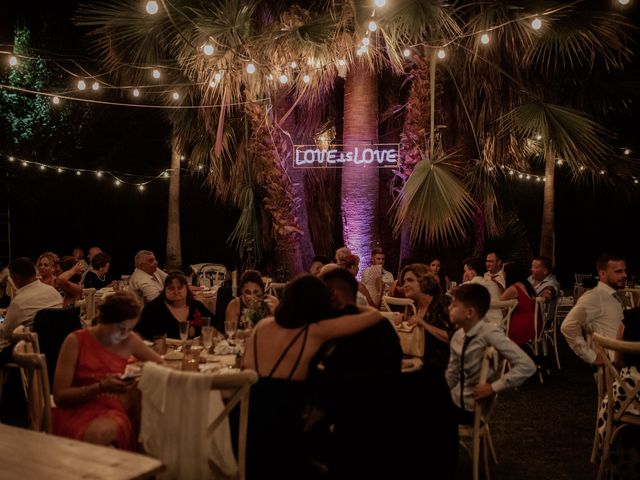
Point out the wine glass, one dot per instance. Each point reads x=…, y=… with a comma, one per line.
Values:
x=207, y=337
x=184, y=331
x=230, y=328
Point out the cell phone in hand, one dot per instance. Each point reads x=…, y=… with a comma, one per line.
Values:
x=131, y=371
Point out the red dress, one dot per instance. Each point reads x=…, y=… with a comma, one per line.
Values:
x=94, y=363
x=521, y=326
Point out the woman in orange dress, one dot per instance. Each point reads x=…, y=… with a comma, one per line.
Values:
x=93, y=402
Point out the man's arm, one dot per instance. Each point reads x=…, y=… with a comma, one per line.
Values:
x=521, y=366
x=573, y=328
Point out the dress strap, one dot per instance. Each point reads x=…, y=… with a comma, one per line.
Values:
x=304, y=344
x=286, y=350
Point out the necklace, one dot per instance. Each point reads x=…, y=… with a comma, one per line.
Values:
x=100, y=277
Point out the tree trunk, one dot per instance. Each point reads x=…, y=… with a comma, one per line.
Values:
x=547, y=234
x=174, y=249
x=359, y=183
x=303, y=248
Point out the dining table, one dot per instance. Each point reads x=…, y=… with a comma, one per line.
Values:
x=29, y=454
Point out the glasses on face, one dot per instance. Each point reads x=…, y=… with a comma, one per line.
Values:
x=252, y=293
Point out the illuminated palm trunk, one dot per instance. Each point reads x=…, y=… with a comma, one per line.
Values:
x=360, y=183
x=174, y=249
x=547, y=234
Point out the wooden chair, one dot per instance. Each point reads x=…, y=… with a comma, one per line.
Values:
x=581, y=277
x=506, y=308
x=615, y=420
x=88, y=306
x=631, y=297
x=238, y=386
x=211, y=274
x=35, y=381
x=479, y=433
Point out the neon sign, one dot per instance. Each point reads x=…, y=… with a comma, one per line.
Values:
x=376, y=155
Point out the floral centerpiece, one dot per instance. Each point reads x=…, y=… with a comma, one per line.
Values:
x=253, y=313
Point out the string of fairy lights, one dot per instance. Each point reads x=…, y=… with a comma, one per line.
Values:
x=142, y=95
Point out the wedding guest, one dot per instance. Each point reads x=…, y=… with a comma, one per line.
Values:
x=252, y=297
x=598, y=310
x=375, y=278
x=521, y=326
x=352, y=263
x=147, y=279
x=435, y=267
x=93, y=402
x=280, y=349
x=474, y=270
x=495, y=272
x=468, y=307
x=68, y=282
x=78, y=254
x=543, y=281
x=317, y=263
x=47, y=265
x=99, y=276
x=175, y=304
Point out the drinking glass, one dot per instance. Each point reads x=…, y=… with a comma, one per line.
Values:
x=206, y=321
x=184, y=331
x=230, y=327
x=207, y=337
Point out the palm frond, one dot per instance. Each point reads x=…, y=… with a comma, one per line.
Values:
x=436, y=203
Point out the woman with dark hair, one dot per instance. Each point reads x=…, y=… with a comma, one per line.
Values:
x=98, y=277
x=93, y=402
x=175, y=304
x=252, y=297
x=435, y=267
x=280, y=349
x=424, y=289
x=521, y=327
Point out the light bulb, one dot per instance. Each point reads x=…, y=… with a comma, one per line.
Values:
x=441, y=54
x=380, y=3
x=175, y=95
x=406, y=52
x=251, y=68
x=59, y=170
x=136, y=92
x=95, y=86
x=56, y=100
x=623, y=2
x=560, y=162
x=212, y=84
x=82, y=84
x=627, y=151
x=217, y=77
x=208, y=49
x=24, y=164
x=536, y=24
x=538, y=137
x=270, y=77
x=13, y=61
x=12, y=159
x=165, y=174
x=373, y=26
x=484, y=38
x=294, y=64
x=141, y=187
x=182, y=158
x=151, y=7
x=99, y=174
x=342, y=62
x=283, y=79
x=155, y=73
x=306, y=79
x=117, y=183
x=365, y=41
x=78, y=172
x=42, y=167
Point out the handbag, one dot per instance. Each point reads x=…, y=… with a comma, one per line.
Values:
x=411, y=339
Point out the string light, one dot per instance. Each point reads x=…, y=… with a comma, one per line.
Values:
x=283, y=79
x=406, y=52
x=141, y=187
x=117, y=183
x=380, y=3
x=217, y=76
x=373, y=26
x=56, y=100
x=365, y=41
x=441, y=54
x=82, y=84
x=78, y=172
x=251, y=68
x=623, y=2
x=559, y=162
x=484, y=38
x=42, y=167
x=208, y=49
x=13, y=61
x=59, y=170
x=99, y=174
x=136, y=92
x=627, y=151
x=95, y=86
x=306, y=79
x=294, y=65
x=536, y=24
x=155, y=73
x=151, y=7
x=175, y=95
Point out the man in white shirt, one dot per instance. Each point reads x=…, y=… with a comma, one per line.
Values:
x=147, y=279
x=599, y=310
x=31, y=296
x=473, y=271
x=542, y=280
x=375, y=277
x=495, y=272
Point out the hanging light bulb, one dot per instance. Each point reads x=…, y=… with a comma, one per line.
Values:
x=484, y=38
x=365, y=41
x=627, y=151
x=294, y=64
x=78, y=172
x=165, y=174
x=373, y=26
x=82, y=84
x=283, y=79
x=217, y=76
x=155, y=73
x=175, y=95
x=24, y=163
x=95, y=86
x=270, y=77
x=56, y=100
x=141, y=187
x=12, y=159
x=13, y=61
x=623, y=2
x=117, y=183
x=342, y=62
x=99, y=174
x=208, y=49
x=251, y=68
x=59, y=170
x=306, y=79
x=406, y=52
x=441, y=54
x=42, y=167
x=151, y=7
x=536, y=24
x=380, y=3
x=136, y=92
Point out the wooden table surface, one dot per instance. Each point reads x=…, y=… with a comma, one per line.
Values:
x=26, y=455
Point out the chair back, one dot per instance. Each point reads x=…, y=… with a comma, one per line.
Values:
x=52, y=326
x=621, y=392
x=631, y=297
x=88, y=306
x=35, y=381
x=581, y=277
x=506, y=308
x=210, y=274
